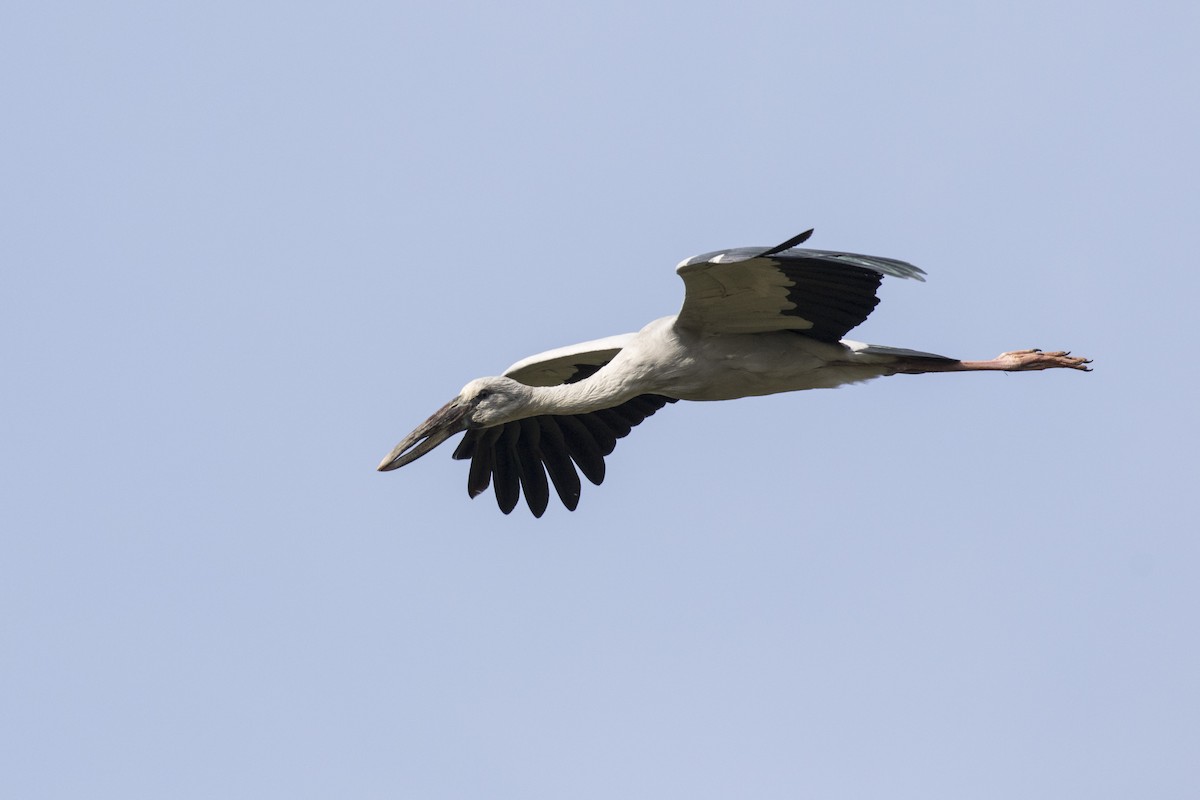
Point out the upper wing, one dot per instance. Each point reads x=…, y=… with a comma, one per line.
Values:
x=754, y=290
x=564, y=364
x=517, y=457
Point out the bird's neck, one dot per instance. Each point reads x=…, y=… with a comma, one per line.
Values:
x=591, y=394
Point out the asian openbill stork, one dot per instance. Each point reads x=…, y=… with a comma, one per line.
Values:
x=755, y=321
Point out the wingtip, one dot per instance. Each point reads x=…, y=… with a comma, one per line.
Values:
x=799, y=238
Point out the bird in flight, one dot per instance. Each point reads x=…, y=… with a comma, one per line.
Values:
x=755, y=321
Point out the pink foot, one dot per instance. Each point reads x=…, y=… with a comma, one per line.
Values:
x=1026, y=360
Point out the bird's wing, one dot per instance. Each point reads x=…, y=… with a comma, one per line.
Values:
x=754, y=289
x=518, y=456
x=565, y=364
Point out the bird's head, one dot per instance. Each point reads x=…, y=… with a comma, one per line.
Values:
x=483, y=403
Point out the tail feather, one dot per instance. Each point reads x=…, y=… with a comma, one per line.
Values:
x=884, y=350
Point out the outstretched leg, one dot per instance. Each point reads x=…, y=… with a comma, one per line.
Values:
x=1016, y=361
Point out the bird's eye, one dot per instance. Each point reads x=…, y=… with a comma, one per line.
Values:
x=483, y=395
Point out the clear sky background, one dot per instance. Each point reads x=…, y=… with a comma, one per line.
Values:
x=246, y=247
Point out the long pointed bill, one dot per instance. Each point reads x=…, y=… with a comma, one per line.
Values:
x=445, y=422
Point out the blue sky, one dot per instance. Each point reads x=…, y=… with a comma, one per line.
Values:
x=247, y=247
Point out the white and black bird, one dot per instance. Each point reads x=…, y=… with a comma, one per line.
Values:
x=755, y=321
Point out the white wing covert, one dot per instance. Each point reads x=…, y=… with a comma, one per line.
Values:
x=564, y=364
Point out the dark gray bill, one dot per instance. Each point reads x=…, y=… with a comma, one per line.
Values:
x=445, y=422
